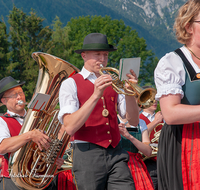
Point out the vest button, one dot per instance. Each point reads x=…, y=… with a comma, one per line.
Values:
x=108, y=132
x=107, y=123
x=110, y=141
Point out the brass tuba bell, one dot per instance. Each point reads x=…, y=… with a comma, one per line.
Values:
x=145, y=97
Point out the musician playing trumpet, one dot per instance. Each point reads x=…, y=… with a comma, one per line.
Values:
x=88, y=110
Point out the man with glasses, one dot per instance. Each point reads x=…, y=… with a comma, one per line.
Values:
x=10, y=125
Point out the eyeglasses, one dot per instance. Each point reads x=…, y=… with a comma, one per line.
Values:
x=15, y=95
x=197, y=21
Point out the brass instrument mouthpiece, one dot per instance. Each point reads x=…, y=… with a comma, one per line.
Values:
x=21, y=102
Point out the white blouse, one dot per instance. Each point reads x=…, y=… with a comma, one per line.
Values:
x=169, y=74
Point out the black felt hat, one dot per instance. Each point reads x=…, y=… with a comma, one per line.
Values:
x=96, y=42
x=8, y=83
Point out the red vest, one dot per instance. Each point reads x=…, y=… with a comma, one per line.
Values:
x=97, y=129
x=159, y=127
x=14, y=128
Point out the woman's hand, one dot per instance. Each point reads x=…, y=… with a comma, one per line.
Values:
x=123, y=131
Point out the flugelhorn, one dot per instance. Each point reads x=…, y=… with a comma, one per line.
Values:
x=145, y=97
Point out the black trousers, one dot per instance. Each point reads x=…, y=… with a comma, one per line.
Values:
x=152, y=169
x=101, y=168
x=7, y=184
x=53, y=184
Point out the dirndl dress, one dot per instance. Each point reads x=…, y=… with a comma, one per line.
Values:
x=178, y=159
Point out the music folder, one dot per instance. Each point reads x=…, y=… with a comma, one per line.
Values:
x=39, y=101
x=126, y=64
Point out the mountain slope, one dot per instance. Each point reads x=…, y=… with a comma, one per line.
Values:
x=143, y=15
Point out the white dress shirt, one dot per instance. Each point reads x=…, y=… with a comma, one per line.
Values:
x=5, y=132
x=68, y=99
x=149, y=116
x=169, y=74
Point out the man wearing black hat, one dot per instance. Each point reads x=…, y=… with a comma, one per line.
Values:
x=10, y=125
x=88, y=110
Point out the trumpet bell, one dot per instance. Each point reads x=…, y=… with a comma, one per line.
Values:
x=146, y=98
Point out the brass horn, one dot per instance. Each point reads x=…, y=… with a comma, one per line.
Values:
x=155, y=133
x=29, y=167
x=145, y=97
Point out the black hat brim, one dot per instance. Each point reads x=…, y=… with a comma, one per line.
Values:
x=19, y=84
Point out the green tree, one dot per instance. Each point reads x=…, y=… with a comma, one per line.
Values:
x=4, y=54
x=61, y=45
x=123, y=37
x=4, y=50
x=27, y=35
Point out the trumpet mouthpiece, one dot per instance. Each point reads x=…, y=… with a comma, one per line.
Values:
x=101, y=65
x=21, y=102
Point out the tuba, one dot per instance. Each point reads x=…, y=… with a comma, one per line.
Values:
x=29, y=167
x=145, y=97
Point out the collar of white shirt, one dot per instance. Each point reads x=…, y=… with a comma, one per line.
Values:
x=148, y=115
x=12, y=113
x=87, y=74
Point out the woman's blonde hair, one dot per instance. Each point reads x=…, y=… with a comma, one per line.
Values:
x=186, y=15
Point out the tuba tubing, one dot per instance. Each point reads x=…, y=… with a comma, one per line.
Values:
x=145, y=97
x=36, y=168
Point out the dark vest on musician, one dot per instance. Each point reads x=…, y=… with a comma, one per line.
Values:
x=97, y=129
x=14, y=128
x=126, y=144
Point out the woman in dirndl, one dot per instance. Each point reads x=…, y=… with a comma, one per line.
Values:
x=135, y=139
x=177, y=79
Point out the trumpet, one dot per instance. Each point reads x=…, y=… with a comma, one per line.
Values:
x=145, y=97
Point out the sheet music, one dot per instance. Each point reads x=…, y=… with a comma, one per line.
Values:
x=39, y=101
x=129, y=63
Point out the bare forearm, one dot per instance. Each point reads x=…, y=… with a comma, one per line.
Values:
x=73, y=122
x=132, y=111
x=176, y=113
x=181, y=114
x=12, y=144
x=144, y=148
x=151, y=125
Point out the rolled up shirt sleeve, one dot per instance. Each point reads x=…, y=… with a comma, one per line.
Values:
x=121, y=106
x=68, y=99
x=5, y=133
